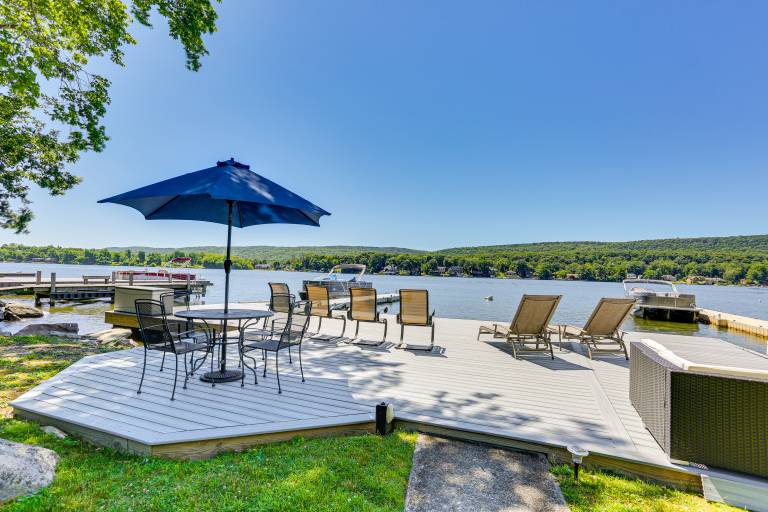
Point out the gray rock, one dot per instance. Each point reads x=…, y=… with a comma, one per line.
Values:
x=455, y=476
x=54, y=431
x=6, y=333
x=17, y=310
x=60, y=330
x=24, y=469
x=116, y=337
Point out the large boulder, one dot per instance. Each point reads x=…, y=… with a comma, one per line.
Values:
x=24, y=469
x=17, y=311
x=60, y=330
x=115, y=338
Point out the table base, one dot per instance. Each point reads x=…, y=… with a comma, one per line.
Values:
x=222, y=376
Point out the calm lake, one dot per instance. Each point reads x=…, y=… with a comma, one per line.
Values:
x=449, y=296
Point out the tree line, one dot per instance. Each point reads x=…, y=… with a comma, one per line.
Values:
x=594, y=263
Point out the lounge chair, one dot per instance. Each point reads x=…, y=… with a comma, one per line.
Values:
x=529, y=326
x=602, y=328
x=287, y=332
x=414, y=311
x=362, y=308
x=320, y=307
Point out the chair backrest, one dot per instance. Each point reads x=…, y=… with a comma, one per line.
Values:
x=153, y=323
x=362, y=304
x=414, y=307
x=281, y=303
x=294, y=327
x=319, y=301
x=277, y=289
x=607, y=316
x=533, y=314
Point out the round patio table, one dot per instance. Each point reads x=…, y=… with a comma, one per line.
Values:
x=223, y=374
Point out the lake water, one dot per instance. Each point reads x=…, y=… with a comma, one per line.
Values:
x=449, y=296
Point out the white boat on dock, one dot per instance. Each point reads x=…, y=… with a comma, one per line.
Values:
x=660, y=300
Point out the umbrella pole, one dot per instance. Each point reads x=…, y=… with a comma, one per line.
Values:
x=227, y=268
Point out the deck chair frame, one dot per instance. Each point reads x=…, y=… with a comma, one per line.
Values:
x=371, y=317
x=595, y=339
x=427, y=322
x=520, y=339
x=319, y=302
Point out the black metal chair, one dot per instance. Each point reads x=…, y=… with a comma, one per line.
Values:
x=155, y=334
x=200, y=335
x=287, y=332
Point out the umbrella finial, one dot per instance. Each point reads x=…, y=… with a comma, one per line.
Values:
x=232, y=162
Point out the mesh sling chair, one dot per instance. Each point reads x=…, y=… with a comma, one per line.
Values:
x=362, y=308
x=288, y=332
x=529, y=326
x=155, y=334
x=320, y=306
x=602, y=328
x=414, y=311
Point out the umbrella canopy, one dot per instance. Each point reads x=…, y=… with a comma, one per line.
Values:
x=229, y=193
x=206, y=196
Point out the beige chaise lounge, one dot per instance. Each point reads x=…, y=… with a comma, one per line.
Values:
x=529, y=326
x=602, y=328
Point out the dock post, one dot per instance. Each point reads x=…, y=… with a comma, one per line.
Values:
x=38, y=277
x=114, y=277
x=189, y=282
x=51, y=300
x=130, y=278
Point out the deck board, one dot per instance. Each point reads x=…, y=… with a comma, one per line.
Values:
x=468, y=385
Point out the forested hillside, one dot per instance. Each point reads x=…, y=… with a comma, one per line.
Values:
x=737, y=259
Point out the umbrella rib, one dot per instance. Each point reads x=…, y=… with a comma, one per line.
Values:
x=161, y=207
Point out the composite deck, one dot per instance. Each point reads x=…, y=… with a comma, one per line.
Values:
x=474, y=389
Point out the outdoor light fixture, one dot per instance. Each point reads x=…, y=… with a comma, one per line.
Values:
x=577, y=455
x=385, y=413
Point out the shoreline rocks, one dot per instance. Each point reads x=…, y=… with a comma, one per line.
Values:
x=24, y=469
x=13, y=311
x=57, y=330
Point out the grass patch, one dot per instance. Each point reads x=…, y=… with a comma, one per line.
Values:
x=367, y=473
x=599, y=491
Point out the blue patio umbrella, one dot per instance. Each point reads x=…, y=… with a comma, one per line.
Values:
x=228, y=193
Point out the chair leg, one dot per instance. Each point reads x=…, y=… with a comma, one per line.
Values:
x=357, y=328
x=186, y=373
x=344, y=325
x=290, y=361
x=175, y=378
x=277, y=372
x=301, y=366
x=265, y=364
x=213, y=358
x=402, y=331
x=242, y=365
x=432, y=336
x=385, y=331
x=551, y=352
x=163, y=363
x=253, y=370
x=143, y=370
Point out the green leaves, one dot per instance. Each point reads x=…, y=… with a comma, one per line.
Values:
x=51, y=107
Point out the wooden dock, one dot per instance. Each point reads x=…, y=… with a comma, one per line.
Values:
x=55, y=288
x=464, y=388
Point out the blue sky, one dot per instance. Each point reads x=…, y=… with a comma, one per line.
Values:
x=437, y=124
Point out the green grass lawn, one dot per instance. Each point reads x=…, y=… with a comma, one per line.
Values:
x=599, y=491
x=365, y=473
